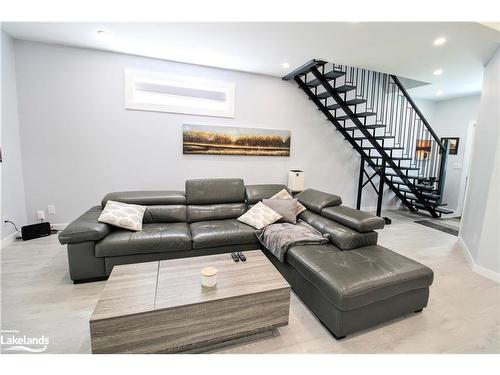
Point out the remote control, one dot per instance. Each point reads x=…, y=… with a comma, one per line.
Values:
x=235, y=257
x=241, y=256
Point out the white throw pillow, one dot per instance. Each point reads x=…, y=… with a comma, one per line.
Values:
x=123, y=215
x=260, y=216
x=283, y=194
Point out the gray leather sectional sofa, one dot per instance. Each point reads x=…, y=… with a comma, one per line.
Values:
x=350, y=283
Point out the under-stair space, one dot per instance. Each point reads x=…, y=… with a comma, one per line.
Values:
x=376, y=115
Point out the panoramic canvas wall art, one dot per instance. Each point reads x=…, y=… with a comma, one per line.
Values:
x=227, y=140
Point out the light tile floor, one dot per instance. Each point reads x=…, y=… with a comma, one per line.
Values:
x=463, y=315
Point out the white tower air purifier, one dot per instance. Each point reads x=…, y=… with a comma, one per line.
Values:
x=296, y=180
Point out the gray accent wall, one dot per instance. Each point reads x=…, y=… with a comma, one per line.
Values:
x=13, y=196
x=79, y=142
x=480, y=220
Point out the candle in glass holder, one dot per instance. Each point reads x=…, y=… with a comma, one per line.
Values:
x=209, y=277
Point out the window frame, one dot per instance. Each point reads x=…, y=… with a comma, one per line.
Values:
x=179, y=81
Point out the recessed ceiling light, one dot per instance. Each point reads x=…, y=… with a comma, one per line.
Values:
x=285, y=65
x=439, y=41
x=439, y=93
x=438, y=72
x=103, y=31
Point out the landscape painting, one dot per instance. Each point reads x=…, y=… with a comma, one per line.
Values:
x=423, y=149
x=226, y=140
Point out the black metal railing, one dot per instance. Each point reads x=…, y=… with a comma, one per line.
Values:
x=406, y=127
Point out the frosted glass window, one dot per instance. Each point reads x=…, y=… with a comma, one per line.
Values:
x=152, y=91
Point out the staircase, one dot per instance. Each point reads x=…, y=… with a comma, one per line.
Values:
x=375, y=114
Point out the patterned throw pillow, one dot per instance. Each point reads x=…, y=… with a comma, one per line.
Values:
x=260, y=216
x=283, y=194
x=123, y=215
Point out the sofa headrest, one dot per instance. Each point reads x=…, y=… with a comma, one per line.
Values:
x=215, y=190
x=255, y=193
x=316, y=200
x=146, y=198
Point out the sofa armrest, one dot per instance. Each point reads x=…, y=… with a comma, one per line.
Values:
x=355, y=219
x=316, y=200
x=85, y=228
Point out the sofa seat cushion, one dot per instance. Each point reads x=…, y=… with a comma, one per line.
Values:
x=355, y=219
x=341, y=236
x=221, y=233
x=153, y=238
x=356, y=278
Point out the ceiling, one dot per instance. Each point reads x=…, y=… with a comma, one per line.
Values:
x=404, y=49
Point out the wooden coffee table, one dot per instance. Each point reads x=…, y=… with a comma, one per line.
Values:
x=161, y=307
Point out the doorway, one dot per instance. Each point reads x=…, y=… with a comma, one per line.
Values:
x=462, y=193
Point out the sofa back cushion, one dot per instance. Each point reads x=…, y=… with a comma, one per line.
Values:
x=215, y=199
x=165, y=214
x=256, y=193
x=215, y=211
x=147, y=198
x=215, y=190
x=166, y=206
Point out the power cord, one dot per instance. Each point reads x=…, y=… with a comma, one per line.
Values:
x=11, y=222
x=15, y=227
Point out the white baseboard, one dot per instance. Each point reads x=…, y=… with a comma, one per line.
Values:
x=59, y=226
x=9, y=240
x=480, y=270
x=374, y=208
x=465, y=250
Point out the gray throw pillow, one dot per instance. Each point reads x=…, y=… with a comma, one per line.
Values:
x=285, y=207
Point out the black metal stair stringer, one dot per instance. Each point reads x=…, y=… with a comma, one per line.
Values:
x=304, y=69
x=350, y=139
x=331, y=91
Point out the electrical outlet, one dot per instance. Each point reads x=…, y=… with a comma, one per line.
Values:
x=51, y=209
x=40, y=215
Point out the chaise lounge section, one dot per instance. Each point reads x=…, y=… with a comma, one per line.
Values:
x=350, y=283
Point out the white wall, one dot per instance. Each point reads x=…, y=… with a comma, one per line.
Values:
x=13, y=195
x=427, y=107
x=78, y=141
x=452, y=118
x=480, y=220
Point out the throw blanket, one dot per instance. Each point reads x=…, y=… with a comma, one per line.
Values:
x=278, y=238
